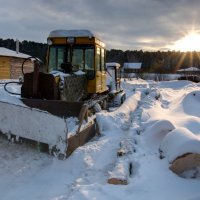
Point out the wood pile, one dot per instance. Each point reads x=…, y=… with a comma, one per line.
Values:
x=123, y=167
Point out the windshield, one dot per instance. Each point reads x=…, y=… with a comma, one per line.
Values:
x=81, y=57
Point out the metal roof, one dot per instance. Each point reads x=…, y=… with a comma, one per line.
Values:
x=132, y=65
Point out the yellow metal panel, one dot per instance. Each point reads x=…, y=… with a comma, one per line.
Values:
x=104, y=87
x=85, y=41
x=101, y=44
x=98, y=82
x=59, y=40
x=78, y=40
x=91, y=86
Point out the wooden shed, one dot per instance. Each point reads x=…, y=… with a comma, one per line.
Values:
x=131, y=69
x=11, y=62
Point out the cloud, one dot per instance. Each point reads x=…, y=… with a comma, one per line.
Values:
x=121, y=24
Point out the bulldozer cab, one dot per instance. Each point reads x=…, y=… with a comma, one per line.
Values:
x=76, y=51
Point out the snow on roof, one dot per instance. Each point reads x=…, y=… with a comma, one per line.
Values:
x=112, y=64
x=189, y=69
x=132, y=65
x=71, y=33
x=10, y=53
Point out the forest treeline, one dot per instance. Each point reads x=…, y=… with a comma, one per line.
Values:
x=158, y=61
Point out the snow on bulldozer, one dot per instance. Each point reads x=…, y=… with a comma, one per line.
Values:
x=57, y=105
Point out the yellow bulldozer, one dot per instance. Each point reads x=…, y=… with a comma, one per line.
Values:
x=58, y=105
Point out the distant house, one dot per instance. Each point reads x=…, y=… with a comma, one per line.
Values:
x=189, y=71
x=131, y=69
x=11, y=62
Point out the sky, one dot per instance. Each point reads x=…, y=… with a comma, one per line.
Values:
x=121, y=24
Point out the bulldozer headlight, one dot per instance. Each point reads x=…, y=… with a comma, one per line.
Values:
x=49, y=42
x=70, y=40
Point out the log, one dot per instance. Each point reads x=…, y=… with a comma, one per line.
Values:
x=126, y=147
x=121, y=172
x=185, y=162
x=123, y=166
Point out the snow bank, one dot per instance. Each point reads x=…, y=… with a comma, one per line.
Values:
x=119, y=118
x=155, y=133
x=134, y=85
x=176, y=84
x=54, y=179
x=178, y=142
x=191, y=102
x=6, y=97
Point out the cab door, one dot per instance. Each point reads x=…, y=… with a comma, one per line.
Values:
x=103, y=71
x=100, y=70
x=98, y=77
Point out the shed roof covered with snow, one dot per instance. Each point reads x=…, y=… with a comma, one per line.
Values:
x=10, y=53
x=190, y=69
x=132, y=65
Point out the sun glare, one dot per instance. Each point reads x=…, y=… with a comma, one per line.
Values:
x=190, y=42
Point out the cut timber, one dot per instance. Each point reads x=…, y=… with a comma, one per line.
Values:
x=123, y=167
x=116, y=181
x=185, y=162
x=126, y=147
x=120, y=173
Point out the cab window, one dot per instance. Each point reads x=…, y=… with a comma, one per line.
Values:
x=78, y=59
x=57, y=56
x=81, y=57
x=89, y=59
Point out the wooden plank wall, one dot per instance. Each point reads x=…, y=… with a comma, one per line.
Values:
x=4, y=67
x=10, y=67
x=15, y=67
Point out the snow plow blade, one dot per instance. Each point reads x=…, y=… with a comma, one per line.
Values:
x=62, y=126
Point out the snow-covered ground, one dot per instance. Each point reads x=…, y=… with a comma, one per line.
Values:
x=154, y=116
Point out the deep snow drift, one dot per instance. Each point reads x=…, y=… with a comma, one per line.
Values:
x=152, y=115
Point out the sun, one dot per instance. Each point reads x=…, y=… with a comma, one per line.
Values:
x=190, y=42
